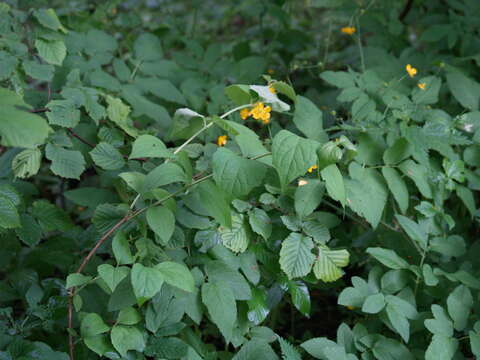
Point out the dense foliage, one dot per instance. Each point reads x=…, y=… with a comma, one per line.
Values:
x=239, y=179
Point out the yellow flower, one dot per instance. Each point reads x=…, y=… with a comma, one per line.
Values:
x=411, y=70
x=349, y=30
x=312, y=168
x=261, y=112
x=222, y=140
x=272, y=90
x=244, y=113
x=422, y=86
x=271, y=71
x=349, y=307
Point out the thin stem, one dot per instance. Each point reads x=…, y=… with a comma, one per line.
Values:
x=417, y=280
x=81, y=139
x=360, y=47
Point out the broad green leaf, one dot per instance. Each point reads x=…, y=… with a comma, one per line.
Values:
x=329, y=153
x=419, y=174
x=399, y=321
x=126, y=338
x=260, y=222
x=413, y=230
x=308, y=197
x=161, y=88
x=177, y=275
x=388, y=257
x=374, y=304
x=464, y=89
x=236, y=237
x=398, y=152
x=129, y=316
x=316, y=347
x=428, y=95
x=370, y=149
x=29, y=231
x=309, y=119
x=163, y=174
x=121, y=249
x=467, y=197
x=215, y=202
x=285, y=89
x=146, y=282
x=118, y=112
x=92, y=324
x=112, y=275
x=77, y=279
x=69, y=164
x=49, y=19
x=328, y=264
x=26, y=163
x=100, y=344
x=150, y=147
x=51, y=217
x=20, y=128
x=334, y=183
x=397, y=186
x=107, y=157
x=63, y=113
x=162, y=221
x=235, y=175
x=296, y=258
x=34, y=69
x=255, y=349
x=292, y=155
x=221, y=307
x=441, y=348
x=239, y=94
x=52, y=51
x=441, y=324
x=9, y=217
x=318, y=231
x=147, y=47
x=249, y=143
x=475, y=343
x=340, y=79
x=459, y=303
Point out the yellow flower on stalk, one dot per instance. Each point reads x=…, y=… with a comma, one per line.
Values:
x=272, y=90
x=411, y=70
x=222, y=140
x=349, y=30
x=245, y=113
x=422, y=86
x=271, y=71
x=312, y=168
x=261, y=112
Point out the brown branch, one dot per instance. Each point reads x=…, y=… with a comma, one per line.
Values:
x=75, y=135
x=42, y=110
x=406, y=10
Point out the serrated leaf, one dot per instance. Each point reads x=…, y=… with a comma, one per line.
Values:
x=388, y=257
x=334, y=183
x=308, y=197
x=162, y=221
x=92, y=324
x=260, y=222
x=107, y=157
x=397, y=186
x=126, y=338
x=221, y=272
x=328, y=264
x=53, y=52
x=76, y=279
x=149, y=146
x=464, y=89
x=236, y=237
x=413, y=230
x=118, y=112
x=221, y=307
x=309, y=119
x=296, y=258
x=163, y=174
x=26, y=163
x=112, y=275
x=177, y=275
x=292, y=155
x=121, y=249
x=69, y=164
x=146, y=282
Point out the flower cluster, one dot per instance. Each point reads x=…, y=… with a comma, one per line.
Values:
x=422, y=86
x=411, y=70
x=222, y=140
x=349, y=30
x=312, y=168
x=258, y=112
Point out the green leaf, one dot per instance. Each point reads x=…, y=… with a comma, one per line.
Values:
x=118, y=112
x=34, y=69
x=366, y=193
x=100, y=344
x=29, y=231
x=430, y=94
x=146, y=282
x=92, y=324
x=340, y=79
x=317, y=346
x=51, y=217
x=162, y=221
x=334, y=183
x=121, y=249
x=112, y=275
x=19, y=128
x=288, y=351
x=398, y=321
x=221, y=307
x=374, y=304
x=236, y=175
x=441, y=324
x=69, y=164
x=419, y=174
x=441, y=348
x=459, y=303
x=413, y=230
x=150, y=147
x=26, y=163
x=309, y=119
x=239, y=94
x=475, y=343
x=466, y=195
x=107, y=157
x=129, y=316
x=260, y=222
x=63, y=113
x=76, y=279
x=161, y=88
x=126, y=338
x=464, y=89
x=292, y=155
x=215, y=203
x=255, y=349
x=177, y=275
x=285, y=89
x=9, y=217
x=308, y=197
x=328, y=264
x=296, y=258
x=399, y=151
x=163, y=174
x=236, y=236
x=49, y=19
x=388, y=257
x=397, y=186
x=53, y=52
x=147, y=47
